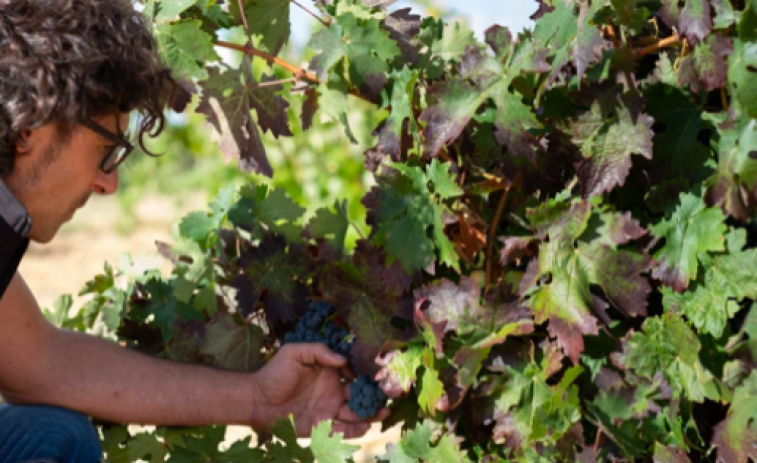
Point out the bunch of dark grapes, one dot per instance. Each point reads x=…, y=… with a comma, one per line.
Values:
x=316, y=325
x=366, y=397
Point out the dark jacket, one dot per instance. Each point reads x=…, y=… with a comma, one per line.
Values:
x=14, y=225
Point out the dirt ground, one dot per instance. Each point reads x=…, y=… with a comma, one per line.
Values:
x=91, y=238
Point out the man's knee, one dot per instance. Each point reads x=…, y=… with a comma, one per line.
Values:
x=49, y=432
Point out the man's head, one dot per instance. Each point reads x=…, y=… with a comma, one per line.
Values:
x=71, y=71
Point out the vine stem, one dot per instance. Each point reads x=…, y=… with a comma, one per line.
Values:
x=325, y=22
x=672, y=41
x=493, y=232
x=300, y=73
x=244, y=22
x=273, y=83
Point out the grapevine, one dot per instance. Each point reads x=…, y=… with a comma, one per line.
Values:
x=560, y=259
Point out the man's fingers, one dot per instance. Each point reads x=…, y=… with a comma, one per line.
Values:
x=347, y=373
x=315, y=354
x=351, y=430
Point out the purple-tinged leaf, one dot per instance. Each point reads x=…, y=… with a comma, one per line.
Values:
x=271, y=108
x=669, y=454
x=706, y=68
x=398, y=370
x=309, y=108
x=500, y=40
x=227, y=103
x=695, y=21
x=736, y=435
x=233, y=346
x=588, y=43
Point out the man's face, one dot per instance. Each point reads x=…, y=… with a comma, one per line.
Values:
x=53, y=179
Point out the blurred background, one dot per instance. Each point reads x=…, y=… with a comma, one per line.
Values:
x=316, y=168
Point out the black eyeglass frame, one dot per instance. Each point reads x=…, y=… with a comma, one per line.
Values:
x=125, y=145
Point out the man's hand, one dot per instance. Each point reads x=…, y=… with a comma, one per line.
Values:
x=305, y=380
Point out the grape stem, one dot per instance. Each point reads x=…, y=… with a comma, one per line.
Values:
x=617, y=44
x=326, y=22
x=244, y=22
x=672, y=41
x=299, y=73
x=493, y=231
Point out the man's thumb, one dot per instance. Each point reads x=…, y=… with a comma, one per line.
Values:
x=320, y=354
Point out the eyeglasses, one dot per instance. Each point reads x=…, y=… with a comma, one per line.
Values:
x=118, y=153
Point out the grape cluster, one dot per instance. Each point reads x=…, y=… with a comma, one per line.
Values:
x=366, y=397
x=315, y=325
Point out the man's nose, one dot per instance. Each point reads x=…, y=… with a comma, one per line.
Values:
x=105, y=184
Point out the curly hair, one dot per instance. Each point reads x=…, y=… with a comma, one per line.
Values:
x=67, y=61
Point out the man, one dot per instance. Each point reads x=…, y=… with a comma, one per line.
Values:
x=71, y=71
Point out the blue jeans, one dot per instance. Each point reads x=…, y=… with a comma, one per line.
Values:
x=31, y=433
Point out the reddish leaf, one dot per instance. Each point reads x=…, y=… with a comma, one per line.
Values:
x=309, y=108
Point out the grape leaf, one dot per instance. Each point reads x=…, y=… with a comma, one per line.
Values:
x=170, y=9
x=409, y=216
x=232, y=346
x=669, y=346
x=268, y=19
x=401, y=104
x=366, y=307
x=226, y=101
x=669, y=454
x=449, y=41
x=712, y=300
x=327, y=449
x=482, y=77
x=403, y=27
x=706, y=68
x=733, y=187
x=363, y=43
x=607, y=142
x=742, y=67
x=399, y=370
x=573, y=265
x=183, y=47
x=416, y=446
x=277, y=268
x=695, y=21
x=326, y=223
x=144, y=444
x=735, y=436
x=693, y=228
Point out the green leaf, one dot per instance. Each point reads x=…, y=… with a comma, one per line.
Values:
x=268, y=19
x=668, y=454
x=734, y=437
x=330, y=224
x=185, y=48
x=431, y=390
x=733, y=187
x=363, y=43
x=741, y=73
x=170, y=9
x=410, y=217
x=399, y=370
x=279, y=213
x=416, y=446
x=328, y=449
x=287, y=449
x=401, y=105
x=58, y=316
x=669, y=346
x=143, y=445
x=197, y=226
x=712, y=300
x=693, y=228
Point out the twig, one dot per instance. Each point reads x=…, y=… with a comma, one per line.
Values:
x=326, y=23
x=598, y=440
x=360, y=234
x=273, y=83
x=672, y=41
x=493, y=232
x=724, y=98
x=300, y=73
x=244, y=22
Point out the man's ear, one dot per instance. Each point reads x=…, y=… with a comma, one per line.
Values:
x=23, y=144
